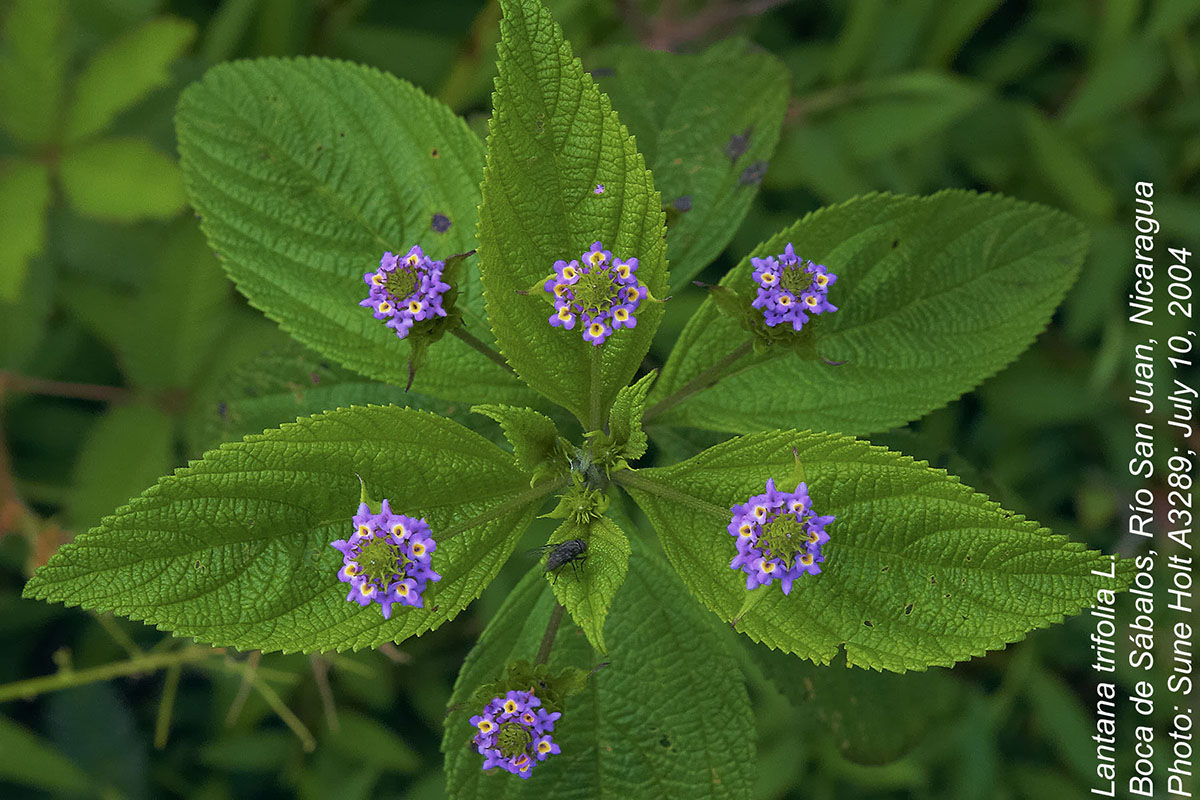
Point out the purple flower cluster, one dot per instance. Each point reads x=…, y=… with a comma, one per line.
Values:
x=597, y=289
x=790, y=288
x=778, y=536
x=513, y=732
x=405, y=290
x=387, y=559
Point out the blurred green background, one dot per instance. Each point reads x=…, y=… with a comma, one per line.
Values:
x=124, y=351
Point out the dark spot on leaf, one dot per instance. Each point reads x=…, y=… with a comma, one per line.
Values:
x=684, y=203
x=440, y=223
x=895, y=244
x=947, y=595
x=324, y=365
x=932, y=580
x=342, y=135
x=738, y=144
x=665, y=741
x=868, y=623
x=435, y=153
x=754, y=173
x=320, y=147
x=908, y=609
x=222, y=409
x=604, y=72
x=885, y=569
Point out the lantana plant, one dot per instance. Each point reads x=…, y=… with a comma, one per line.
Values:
x=528, y=275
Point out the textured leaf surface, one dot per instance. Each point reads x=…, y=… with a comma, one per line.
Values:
x=24, y=198
x=707, y=125
x=552, y=138
x=625, y=421
x=531, y=433
x=124, y=72
x=667, y=718
x=305, y=171
x=920, y=570
x=935, y=295
x=122, y=180
x=283, y=384
x=234, y=550
x=587, y=589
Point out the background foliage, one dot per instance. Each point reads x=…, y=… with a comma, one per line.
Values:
x=125, y=351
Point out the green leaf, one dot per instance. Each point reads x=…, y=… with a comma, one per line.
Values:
x=920, y=570
x=304, y=172
x=124, y=72
x=668, y=717
x=531, y=433
x=884, y=115
x=165, y=333
x=1064, y=166
x=869, y=717
x=625, y=420
x=552, y=138
x=127, y=449
x=385, y=750
x=24, y=198
x=234, y=549
x=919, y=321
x=703, y=122
x=122, y=180
x=33, y=59
x=1115, y=83
x=285, y=383
x=587, y=589
x=29, y=760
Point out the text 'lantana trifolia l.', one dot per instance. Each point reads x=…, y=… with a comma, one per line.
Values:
x=514, y=733
x=778, y=536
x=388, y=559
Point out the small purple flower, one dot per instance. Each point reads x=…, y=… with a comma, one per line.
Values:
x=790, y=288
x=599, y=189
x=778, y=537
x=387, y=559
x=513, y=733
x=406, y=290
x=602, y=293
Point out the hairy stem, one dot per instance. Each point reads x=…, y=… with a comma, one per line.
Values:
x=66, y=679
x=166, y=706
x=706, y=379
x=594, y=411
x=482, y=347
x=543, y=653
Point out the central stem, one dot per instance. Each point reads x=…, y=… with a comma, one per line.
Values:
x=707, y=378
x=595, y=412
x=543, y=653
x=480, y=346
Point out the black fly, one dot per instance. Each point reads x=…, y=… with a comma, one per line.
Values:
x=571, y=551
